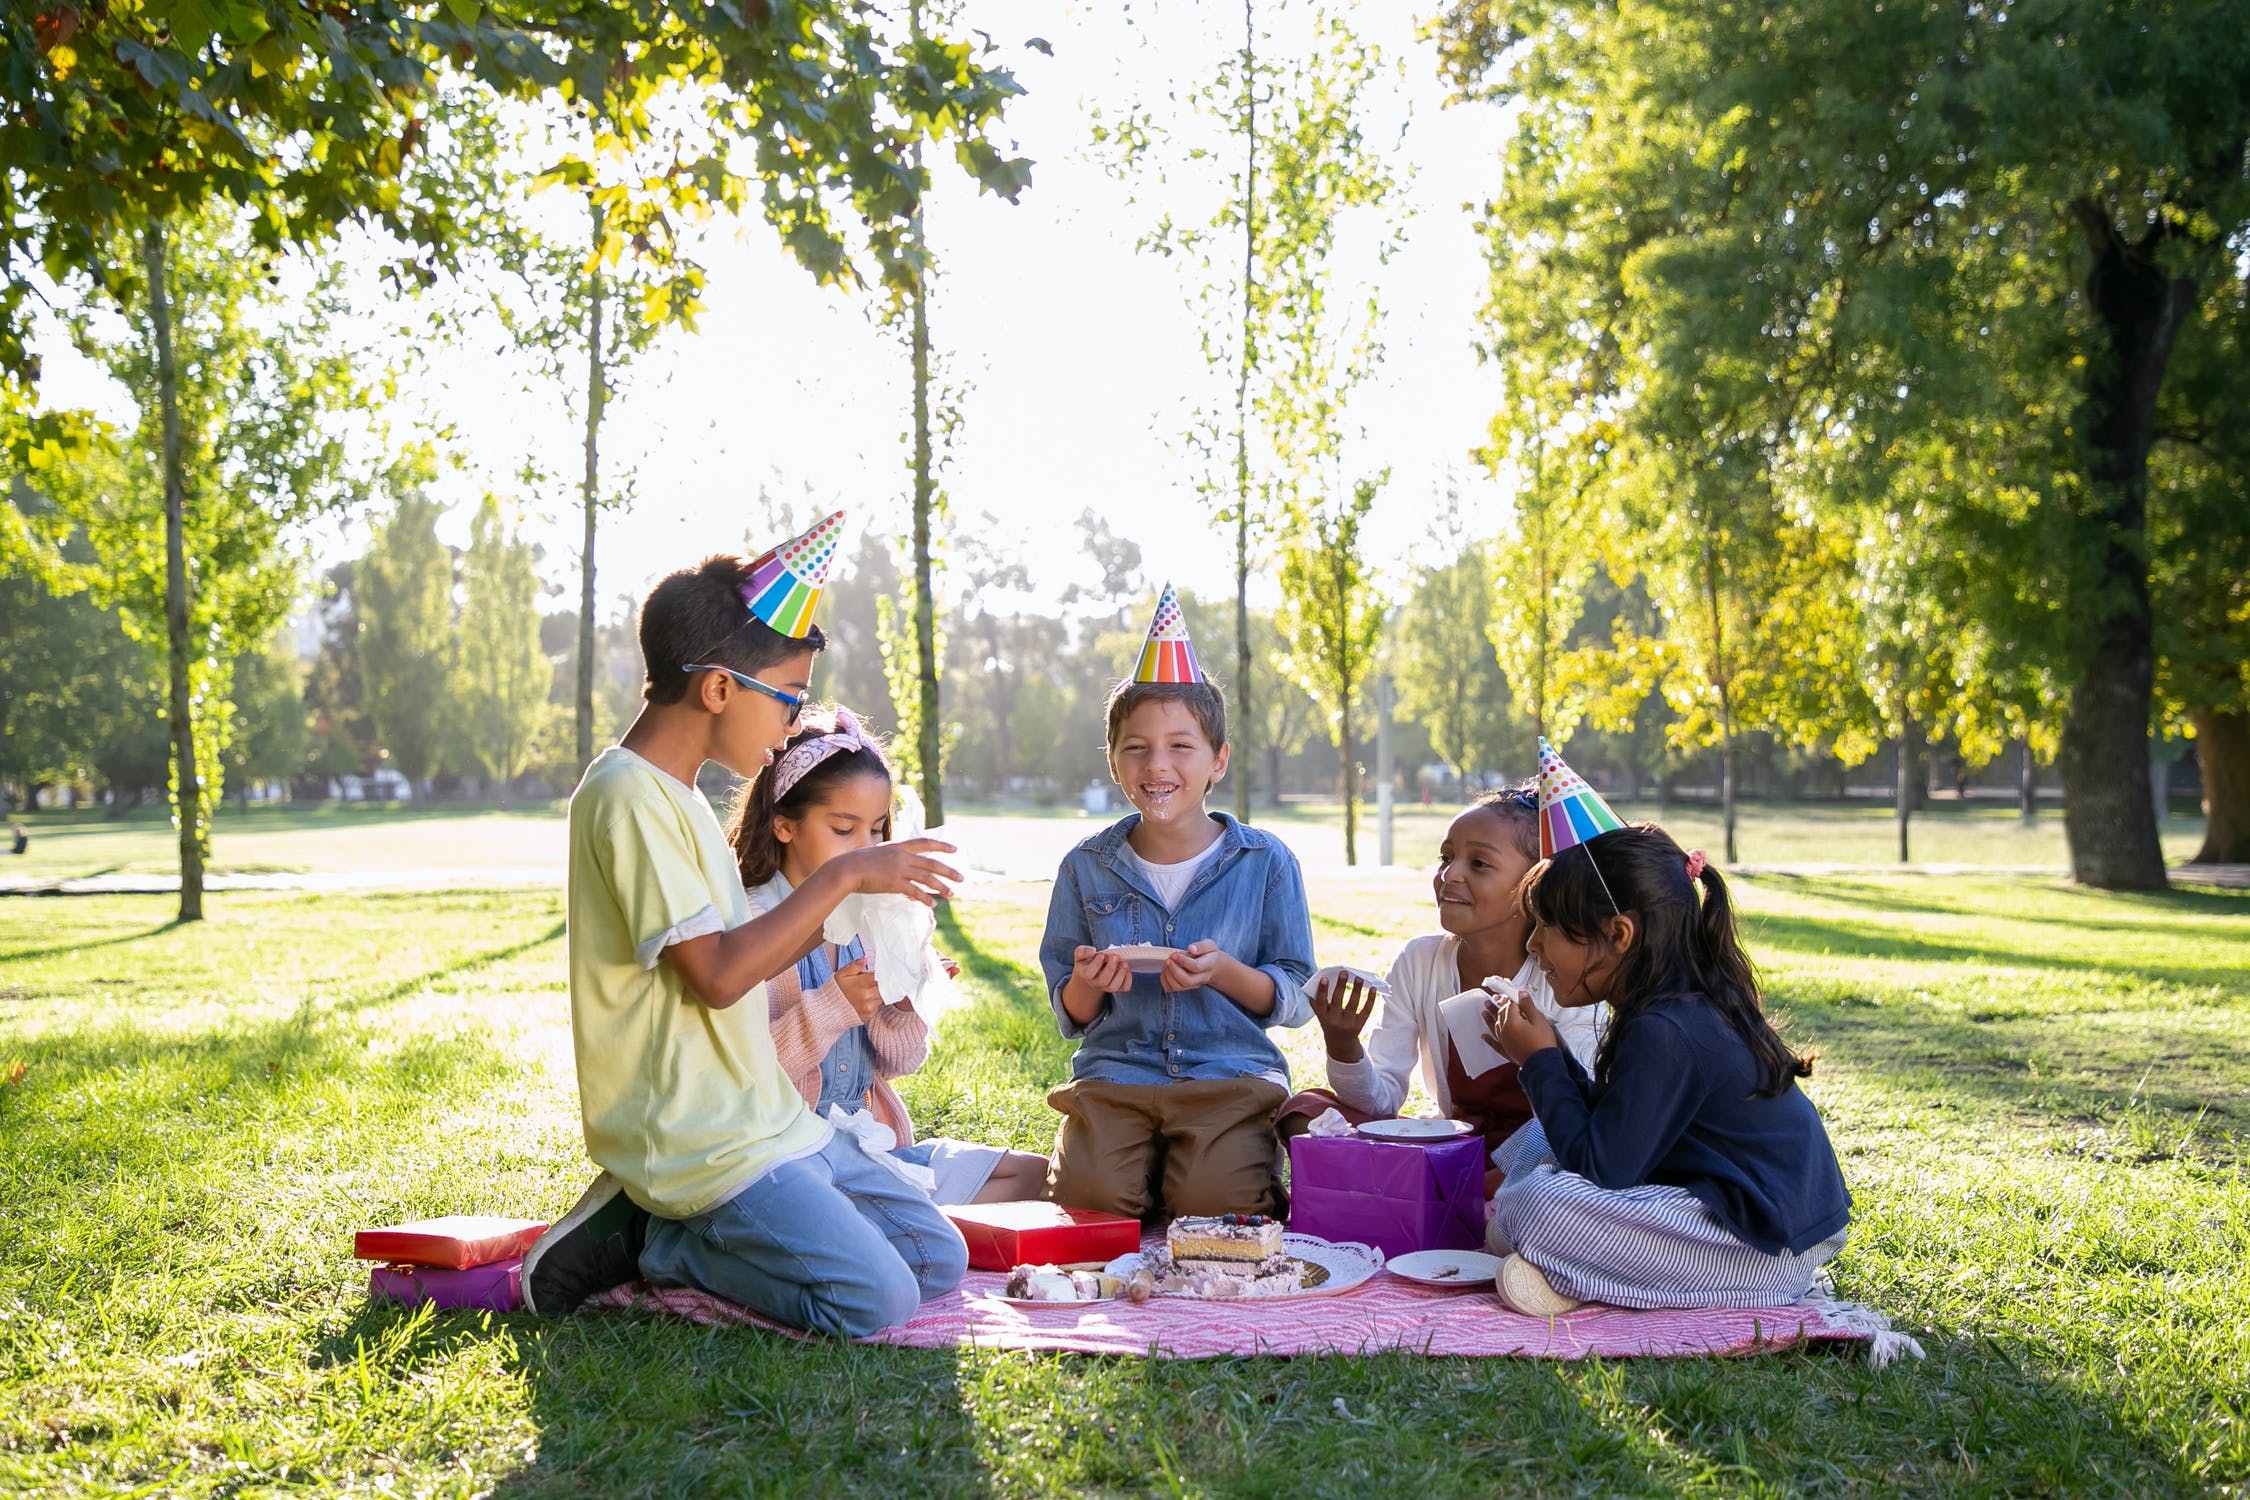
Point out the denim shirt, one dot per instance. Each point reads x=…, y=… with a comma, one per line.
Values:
x=1249, y=898
x=848, y=1071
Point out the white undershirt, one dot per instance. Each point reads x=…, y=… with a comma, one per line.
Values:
x=1170, y=882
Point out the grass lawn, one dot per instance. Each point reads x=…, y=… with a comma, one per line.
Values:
x=2041, y=1096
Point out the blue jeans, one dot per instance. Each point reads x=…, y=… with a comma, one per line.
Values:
x=833, y=1242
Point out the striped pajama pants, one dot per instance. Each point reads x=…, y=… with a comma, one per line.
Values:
x=1651, y=1246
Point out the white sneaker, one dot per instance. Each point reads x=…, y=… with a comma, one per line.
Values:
x=1524, y=1288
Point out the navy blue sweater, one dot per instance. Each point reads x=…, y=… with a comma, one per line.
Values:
x=1682, y=1109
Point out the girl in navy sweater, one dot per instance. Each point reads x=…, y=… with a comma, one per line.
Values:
x=1686, y=1170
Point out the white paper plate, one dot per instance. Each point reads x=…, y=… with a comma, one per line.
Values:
x=1334, y=971
x=1450, y=1269
x=1143, y=958
x=1416, y=1129
x=1348, y=1263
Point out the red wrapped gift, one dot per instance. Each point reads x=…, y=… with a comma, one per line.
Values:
x=1003, y=1236
x=455, y=1242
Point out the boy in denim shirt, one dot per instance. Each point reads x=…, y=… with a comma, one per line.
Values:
x=1172, y=1096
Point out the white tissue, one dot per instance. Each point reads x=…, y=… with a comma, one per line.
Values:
x=896, y=933
x=1329, y=1122
x=1463, y=1015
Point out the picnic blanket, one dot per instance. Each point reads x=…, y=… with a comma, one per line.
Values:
x=1386, y=1314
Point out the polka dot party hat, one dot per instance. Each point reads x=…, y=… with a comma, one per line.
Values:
x=1570, y=811
x=784, y=586
x=1168, y=655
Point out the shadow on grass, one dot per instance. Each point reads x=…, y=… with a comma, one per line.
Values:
x=1872, y=938
x=466, y=964
x=60, y=950
x=2173, y=905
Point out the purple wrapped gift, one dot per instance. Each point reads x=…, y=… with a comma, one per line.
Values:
x=1398, y=1196
x=493, y=1287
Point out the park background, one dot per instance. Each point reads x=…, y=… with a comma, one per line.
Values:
x=1826, y=422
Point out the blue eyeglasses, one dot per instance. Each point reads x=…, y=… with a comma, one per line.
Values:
x=790, y=701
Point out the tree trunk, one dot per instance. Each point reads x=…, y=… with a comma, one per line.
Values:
x=1273, y=775
x=2222, y=752
x=187, y=787
x=1351, y=785
x=1726, y=776
x=1905, y=793
x=1243, y=687
x=931, y=745
x=597, y=393
x=2109, y=814
x=2027, y=781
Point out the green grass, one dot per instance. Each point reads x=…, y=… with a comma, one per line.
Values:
x=2041, y=1096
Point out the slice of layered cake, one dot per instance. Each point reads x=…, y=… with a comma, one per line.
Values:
x=1229, y=1244
x=1230, y=1255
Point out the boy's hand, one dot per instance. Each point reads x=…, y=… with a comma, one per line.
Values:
x=1343, y=1007
x=1103, y=972
x=856, y=981
x=1192, y=967
x=907, y=869
x=1519, y=1029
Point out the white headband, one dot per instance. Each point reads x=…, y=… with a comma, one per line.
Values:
x=799, y=762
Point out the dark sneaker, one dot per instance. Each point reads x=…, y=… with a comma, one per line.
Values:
x=596, y=1246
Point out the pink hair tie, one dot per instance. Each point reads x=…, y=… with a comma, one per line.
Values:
x=799, y=762
x=1695, y=864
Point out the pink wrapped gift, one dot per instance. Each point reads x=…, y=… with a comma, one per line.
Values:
x=1399, y=1196
x=496, y=1286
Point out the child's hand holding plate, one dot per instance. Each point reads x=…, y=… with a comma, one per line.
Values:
x=1143, y=958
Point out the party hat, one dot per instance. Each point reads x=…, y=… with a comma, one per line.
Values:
x=784, y=586
x=1168, y=655
x=1570, y=811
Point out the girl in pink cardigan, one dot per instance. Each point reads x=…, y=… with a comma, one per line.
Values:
x=827, y=792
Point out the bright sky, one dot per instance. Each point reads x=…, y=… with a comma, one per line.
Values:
x=1080, y=354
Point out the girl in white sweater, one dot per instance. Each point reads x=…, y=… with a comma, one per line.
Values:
x=1487, y=851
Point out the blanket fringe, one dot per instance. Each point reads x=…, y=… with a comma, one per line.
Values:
x=1884, y=1343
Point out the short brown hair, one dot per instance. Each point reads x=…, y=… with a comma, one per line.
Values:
x=697, y=615
x=1203, y=699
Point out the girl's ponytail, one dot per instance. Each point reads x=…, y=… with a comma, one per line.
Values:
x=1726, y=971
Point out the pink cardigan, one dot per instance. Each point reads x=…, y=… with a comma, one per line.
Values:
x=806, y=1026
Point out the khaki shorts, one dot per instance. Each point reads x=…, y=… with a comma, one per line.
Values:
x=1202, y=1147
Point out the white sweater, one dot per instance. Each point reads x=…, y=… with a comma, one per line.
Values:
x=1426, y=973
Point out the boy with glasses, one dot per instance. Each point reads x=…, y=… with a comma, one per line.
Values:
x=714, y=1174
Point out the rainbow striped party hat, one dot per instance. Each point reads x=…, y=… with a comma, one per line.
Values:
x=1570, y=811
x=1168, y=655
x=783, y=588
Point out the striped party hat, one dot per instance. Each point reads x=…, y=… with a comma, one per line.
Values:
x=1570, y=811
x=1168, y=655
x=784, y=586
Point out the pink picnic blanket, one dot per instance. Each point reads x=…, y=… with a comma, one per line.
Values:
x=1385, y=1314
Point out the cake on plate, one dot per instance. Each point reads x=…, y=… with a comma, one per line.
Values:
x=1226, y=1243
x=1054, y=1284
x=1227, y=1255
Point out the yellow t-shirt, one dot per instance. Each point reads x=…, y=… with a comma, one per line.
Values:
x=683, y=1103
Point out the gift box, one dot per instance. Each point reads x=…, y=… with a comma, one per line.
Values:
x=496, y=1286
x=1003, y=1236
x=1399, y=1196
x=455, y=1242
